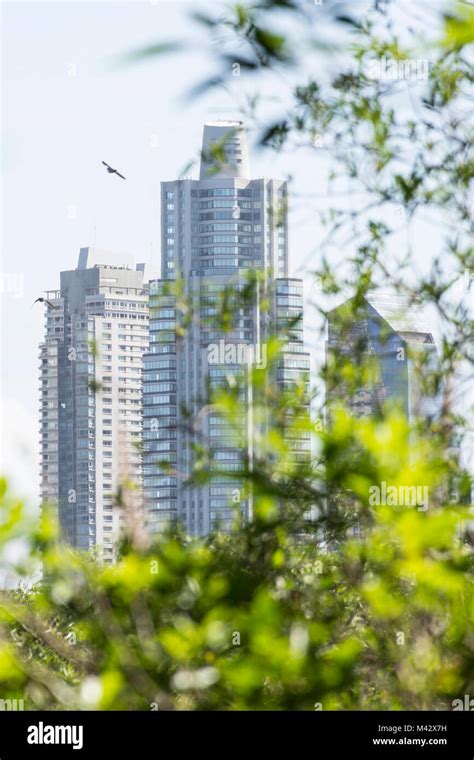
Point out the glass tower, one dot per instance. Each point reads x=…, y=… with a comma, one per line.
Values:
x=393, y=331
x=215, y=231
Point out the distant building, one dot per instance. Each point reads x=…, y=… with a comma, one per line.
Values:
x=215, y=231
x=387, y=340
x=393, y=332
x=91, y=394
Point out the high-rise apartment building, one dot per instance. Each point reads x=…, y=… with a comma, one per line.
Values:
x=91, y=394
x=215, y=230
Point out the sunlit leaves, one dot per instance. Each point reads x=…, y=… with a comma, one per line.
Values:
x=459, y=27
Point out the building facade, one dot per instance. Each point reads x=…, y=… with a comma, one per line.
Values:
x=96, y=332
x=216, y=232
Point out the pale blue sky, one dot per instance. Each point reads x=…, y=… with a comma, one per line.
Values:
x=65, y=108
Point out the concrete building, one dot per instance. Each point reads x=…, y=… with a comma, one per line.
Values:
x=215, y=231
x=96, y=331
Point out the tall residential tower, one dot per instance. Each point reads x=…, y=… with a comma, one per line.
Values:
x=215, y=230
x=91, y=394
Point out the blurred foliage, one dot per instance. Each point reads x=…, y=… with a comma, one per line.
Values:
x=358, y=607
x=259, y=619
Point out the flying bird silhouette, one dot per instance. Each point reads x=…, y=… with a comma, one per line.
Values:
x=47, y=302
x=113, y=171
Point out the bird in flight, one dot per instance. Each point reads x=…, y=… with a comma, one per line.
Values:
x=113, y=171
x=47, y=302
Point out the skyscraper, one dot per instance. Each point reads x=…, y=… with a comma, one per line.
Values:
x=215, y=231
x=91, y=390
x=380, y=353
x=393, y=331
